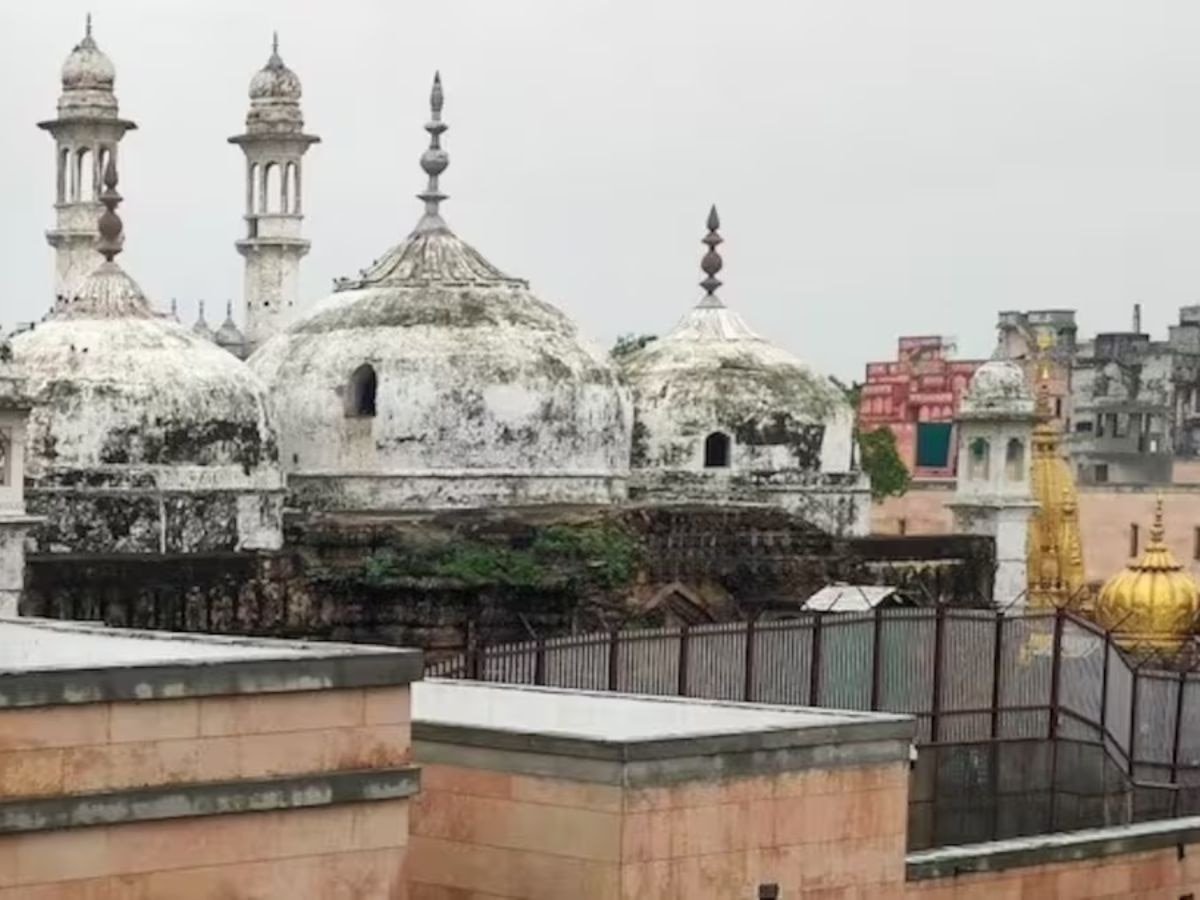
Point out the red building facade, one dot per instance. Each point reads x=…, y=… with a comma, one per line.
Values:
x=917, y=397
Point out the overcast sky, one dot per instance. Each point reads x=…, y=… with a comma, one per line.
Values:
x=882, y=167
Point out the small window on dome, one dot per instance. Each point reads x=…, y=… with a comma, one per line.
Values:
x=361, y=396
x=716, y=451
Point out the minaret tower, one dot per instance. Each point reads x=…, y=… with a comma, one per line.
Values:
x=994, y=493
x=86, y=133
x=274, y=144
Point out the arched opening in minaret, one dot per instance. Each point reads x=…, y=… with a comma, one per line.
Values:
x=64, y=174
x=1014, y=460
x=716, y=451
x=85, y=179
x=363, y=385
x=272, y=189
x=254, y=188
x=291, y=188
x=979, y=459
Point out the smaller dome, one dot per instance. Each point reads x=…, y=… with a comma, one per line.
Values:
x=998, y=386
x=229, y=335
x=88, y=68
x=1153, y=603
x=201, y=329
x=275, y=81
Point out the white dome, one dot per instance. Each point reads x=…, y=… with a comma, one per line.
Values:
x=435, y=380
x=712, y=373
x=275, y=81
x=143, y=437
x=88, y=68
x=997, y=387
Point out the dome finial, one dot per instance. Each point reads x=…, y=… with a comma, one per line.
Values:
x=112, y=236
x=275, y=42
x=434, y=160
x=87, y=26
x=712, y=263
x=1157, y=531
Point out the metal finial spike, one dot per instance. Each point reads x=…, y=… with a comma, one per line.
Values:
x=112, y=237
x=712, y=263
x=174, y=309
x=436, y=98
x=87, y=28
x=275, y=42
x=434, y=160
x=229, y=309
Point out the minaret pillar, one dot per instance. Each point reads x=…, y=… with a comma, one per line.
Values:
x=274, y=144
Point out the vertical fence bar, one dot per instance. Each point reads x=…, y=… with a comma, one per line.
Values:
x=877, y=658
x=539, y=662
x=997, y=662
x=681, y=687
x=1175, y=744
x=814, y=674
x=1133, y=717
x=935, y=707
x=748, y=680
x=1104, y=687
x=1055, y=673
x=614, y=662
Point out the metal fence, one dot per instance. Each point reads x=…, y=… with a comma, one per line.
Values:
x=968, y=676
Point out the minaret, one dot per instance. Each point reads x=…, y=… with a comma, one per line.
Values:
x=274, y=144
x=86, y=133
x=994, y=492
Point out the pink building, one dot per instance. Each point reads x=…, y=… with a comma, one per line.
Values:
x=917, y=397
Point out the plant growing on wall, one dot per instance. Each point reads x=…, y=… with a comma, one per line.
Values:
x=630, y=343
x=881, y=461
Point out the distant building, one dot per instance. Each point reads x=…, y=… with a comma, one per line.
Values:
x=917, y=396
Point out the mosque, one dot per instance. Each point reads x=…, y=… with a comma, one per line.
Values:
x=431, y=380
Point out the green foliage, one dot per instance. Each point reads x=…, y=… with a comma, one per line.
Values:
x=558, y=556
x=630, y=343
x=852, y=391
x=881, y=461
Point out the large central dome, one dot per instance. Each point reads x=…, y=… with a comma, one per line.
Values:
x=436, y=380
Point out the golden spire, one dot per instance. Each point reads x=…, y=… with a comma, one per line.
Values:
x=1054, y=563
x=1154, y=602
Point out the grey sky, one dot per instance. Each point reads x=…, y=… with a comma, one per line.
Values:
x=881, y=166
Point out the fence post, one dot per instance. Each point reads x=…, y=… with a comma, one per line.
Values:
x=814, y=674
x=748, y=683
x=935, y=707
x=1104, y=687
x=877, y=658
x=1055, y=672
x=614, y=643
x=997, y=663
x=684, y=642
x=1175, y=744
x=539, y=662
x=1133, y=714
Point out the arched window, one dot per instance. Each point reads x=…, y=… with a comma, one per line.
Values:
x=272, y=191
x=716, y=451
x=1014, y=460
x=64, y=174
x=361, y=400
x=85, y=178
x=253, y=189
x=979, y=460
x=291, y=188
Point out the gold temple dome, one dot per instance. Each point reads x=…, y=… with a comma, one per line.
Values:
x=1154, y=602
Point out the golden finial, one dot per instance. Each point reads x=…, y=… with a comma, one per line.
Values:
x=1157, y=532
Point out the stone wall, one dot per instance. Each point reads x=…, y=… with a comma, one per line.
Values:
x=442, y=582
